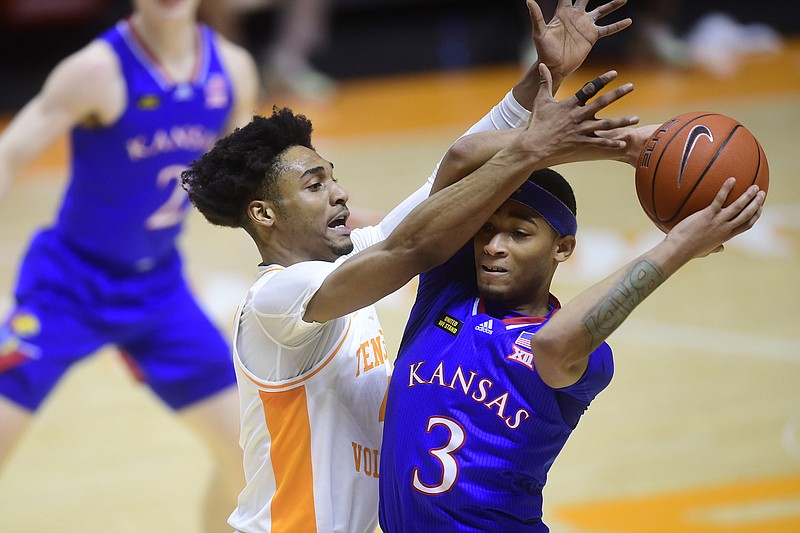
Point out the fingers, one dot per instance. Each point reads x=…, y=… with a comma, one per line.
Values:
x=607, y=99
x=589, y=89
x=538, y=24
x=593, y=87
x=611, y=29
x=600, y=126
x=743, y=212
x=604, y=100
x=605, y=132
x=747, y=218
x=723, y=193
x=746, y=209
x=545, y=81
x=581, y=4
x=603, y=10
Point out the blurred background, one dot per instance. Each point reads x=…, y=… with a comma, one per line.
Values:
x=346, y=39
x=700, y=429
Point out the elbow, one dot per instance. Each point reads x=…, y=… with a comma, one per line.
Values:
x=461, y=154
x=559, y=361
x=457, y=163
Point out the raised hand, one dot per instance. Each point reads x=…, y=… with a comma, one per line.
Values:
x=563, y=43
x=564, y=131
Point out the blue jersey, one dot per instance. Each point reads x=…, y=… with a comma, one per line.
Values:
x=471, y=430
x=109, y=272
x=124, y=205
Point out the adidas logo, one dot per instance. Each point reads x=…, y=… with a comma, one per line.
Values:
x=485, y=327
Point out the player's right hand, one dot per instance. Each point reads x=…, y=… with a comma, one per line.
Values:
x=563, y=131
x=563, y=43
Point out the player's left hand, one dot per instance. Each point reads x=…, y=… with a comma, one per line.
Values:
x=704, y=232
x=563, y=43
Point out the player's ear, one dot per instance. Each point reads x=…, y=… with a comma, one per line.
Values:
x=261, y=213
x=564, y=248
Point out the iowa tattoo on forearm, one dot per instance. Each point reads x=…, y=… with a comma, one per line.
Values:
x=636, y=285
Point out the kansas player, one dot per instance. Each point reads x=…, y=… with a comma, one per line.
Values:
x=140, y=102
x=492, y=374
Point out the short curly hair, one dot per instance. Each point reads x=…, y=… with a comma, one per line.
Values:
x=554, y=183
x=243, y=166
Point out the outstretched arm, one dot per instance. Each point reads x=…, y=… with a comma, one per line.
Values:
x=445, y=221
x=562, y=347
x=471, y=151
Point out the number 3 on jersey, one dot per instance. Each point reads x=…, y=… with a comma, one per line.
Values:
x=444, y=455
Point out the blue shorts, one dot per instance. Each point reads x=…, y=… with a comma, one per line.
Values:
x=68, y=307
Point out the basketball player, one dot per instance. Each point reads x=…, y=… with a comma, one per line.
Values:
x=310, y=355
x=309, y=350
x=492, y=375
x=140, y=102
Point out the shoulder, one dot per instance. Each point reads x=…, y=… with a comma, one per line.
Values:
x=280, y=289
x=96, y=63
x=230, y=52
x=243, y=73
x=88, y=81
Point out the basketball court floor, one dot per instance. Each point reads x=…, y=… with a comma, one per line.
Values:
x=698, y=432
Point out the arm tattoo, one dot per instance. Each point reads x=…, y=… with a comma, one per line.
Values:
x=636, y=285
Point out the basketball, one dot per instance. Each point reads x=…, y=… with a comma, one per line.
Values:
x=685, y=162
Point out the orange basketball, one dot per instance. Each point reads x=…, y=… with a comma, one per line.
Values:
x=686, y=161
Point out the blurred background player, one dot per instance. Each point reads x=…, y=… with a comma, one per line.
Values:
x=140, y=102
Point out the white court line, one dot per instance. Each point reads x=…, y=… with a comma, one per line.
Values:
x=744, y=513
x=706, y=339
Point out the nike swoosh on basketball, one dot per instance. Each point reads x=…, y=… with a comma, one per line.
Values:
x=694, y=135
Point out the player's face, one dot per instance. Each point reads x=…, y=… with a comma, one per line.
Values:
x=516, y=253
x=312, y=216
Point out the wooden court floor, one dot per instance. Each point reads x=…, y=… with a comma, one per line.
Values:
x=698, y=432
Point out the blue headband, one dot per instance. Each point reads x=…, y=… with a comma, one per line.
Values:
x=548, y=206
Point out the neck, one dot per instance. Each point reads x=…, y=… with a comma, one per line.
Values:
x=535, y=303
x=172, y=42
x=274, y=255
x=541, y=308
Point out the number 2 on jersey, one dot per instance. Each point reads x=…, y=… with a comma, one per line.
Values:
x=174, y=210
x=444, y=455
